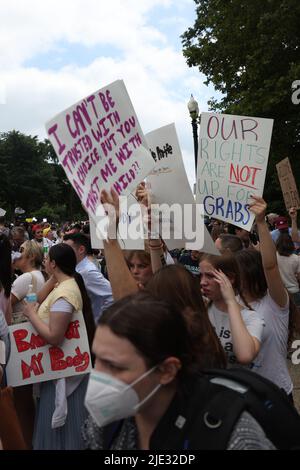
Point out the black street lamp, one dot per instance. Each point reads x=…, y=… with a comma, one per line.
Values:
x=194, y=113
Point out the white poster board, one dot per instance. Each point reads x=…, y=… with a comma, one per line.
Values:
x=33, y=360
x=168, y=185
x=100, y=144
x=232, y=161
x=131, y=228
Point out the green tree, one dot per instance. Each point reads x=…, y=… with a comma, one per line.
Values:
x=250, y=52
x=31, y=177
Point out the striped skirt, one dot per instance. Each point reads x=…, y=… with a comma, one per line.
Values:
x=67, y=437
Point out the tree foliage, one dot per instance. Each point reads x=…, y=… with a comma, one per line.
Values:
x=32, y=178
x=250, y=52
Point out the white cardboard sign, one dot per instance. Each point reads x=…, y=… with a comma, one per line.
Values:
x=168, y=184
x=232, y=161
x=33, y=360
x=131, y=228
x=100, y=144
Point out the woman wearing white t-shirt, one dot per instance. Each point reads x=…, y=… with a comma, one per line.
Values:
x=264, y=291
x=30, y=263
x=239, y=329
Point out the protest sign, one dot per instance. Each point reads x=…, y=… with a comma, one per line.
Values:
x=131, y=229
x=232, y=162
x=288, y=184
x=100, y=145
x=169, y=188
x=33, y=360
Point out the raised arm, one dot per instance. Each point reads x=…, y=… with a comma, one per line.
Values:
x=294, y=233
x=155, y=243
x=268, y=252
x=121, y=280
x=245, y=346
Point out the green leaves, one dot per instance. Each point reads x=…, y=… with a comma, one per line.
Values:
x=250, y=52
x=31, y=177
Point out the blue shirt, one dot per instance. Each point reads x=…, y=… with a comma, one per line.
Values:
x=98, y=288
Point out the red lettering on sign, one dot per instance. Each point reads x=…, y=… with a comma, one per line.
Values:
x=19, y=336
x=80, y=361
x=36, y=341
x=243, y=175
x=72, y=331
x=35, y=366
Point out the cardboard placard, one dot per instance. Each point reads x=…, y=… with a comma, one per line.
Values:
x=168, y=185
x=288, y=184
x=33, y=360
x=100, y=145
x=232, y=162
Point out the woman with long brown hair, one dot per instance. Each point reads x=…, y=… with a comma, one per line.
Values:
x=62, y=297
x=147, y=383
x=177, y=286
x=264, y=290
x=238, y=328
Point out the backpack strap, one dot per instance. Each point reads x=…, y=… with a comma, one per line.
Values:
x=217, y=419
x=202, y=418
x=34, y=282
x=110, y=432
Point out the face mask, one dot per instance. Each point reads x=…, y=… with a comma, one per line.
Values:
x=109, y=399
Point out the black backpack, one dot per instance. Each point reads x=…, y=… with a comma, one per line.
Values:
x=239, y=390
x=204, y=416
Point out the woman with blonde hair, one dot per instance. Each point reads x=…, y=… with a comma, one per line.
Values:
x=30, y=263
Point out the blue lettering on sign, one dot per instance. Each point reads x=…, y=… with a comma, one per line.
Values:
x=234, y=211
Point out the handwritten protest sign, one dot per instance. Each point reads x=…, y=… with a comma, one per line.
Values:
x=131, y=228
x=288, y=184
x=33, y=360
x=100, y=145
x=169, y=187
x=232, y=162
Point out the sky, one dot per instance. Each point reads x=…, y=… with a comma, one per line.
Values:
x=53, y=53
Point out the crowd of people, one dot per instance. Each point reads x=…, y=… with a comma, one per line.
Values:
x=155, y=319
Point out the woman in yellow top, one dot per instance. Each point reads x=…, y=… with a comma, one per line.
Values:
x=60, y=408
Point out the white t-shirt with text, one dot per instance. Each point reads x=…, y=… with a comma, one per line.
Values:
x=221, y=324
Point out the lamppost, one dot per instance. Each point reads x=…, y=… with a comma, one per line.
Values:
x=194, y=113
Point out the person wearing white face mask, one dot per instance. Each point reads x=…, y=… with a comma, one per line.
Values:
x=145, y=391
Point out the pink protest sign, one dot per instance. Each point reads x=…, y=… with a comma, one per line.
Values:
x=33, y=360
x=100, y=145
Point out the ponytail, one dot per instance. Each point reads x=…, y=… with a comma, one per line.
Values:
x=86, y=309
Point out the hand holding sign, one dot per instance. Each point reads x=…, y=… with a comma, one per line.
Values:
x=293, y=213
x=143, y=194
x=258, y=207
x=110, y=202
